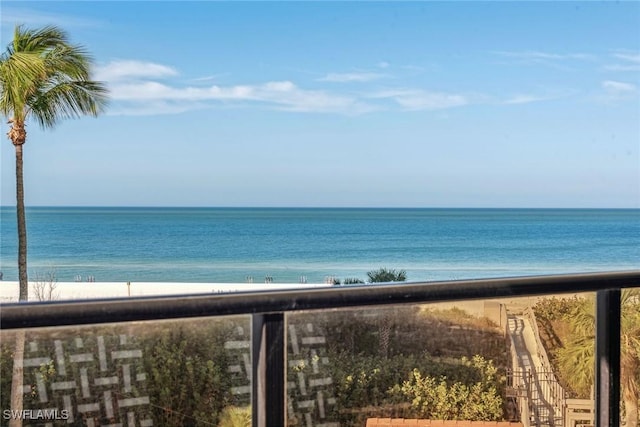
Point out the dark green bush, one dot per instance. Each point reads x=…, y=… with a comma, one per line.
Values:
x=383, y=275
x=188, y=378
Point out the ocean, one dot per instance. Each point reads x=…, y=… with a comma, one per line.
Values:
x=294, y=244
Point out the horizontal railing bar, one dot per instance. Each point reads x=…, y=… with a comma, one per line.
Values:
x=84, y=312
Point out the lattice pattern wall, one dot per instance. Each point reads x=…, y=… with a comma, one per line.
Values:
x=99, y=379
x=96, y=380
x=239, y=351
x=310, y=395
x=310, y=387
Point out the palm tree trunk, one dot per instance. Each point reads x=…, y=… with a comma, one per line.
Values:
x=22, y=228
x=18, y=356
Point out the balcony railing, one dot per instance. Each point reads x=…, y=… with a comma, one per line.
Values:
x=268, y=310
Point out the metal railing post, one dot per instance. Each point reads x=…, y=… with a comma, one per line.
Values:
x=269, y=372
x=607, y=378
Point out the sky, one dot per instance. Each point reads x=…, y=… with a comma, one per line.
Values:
x=343, y=104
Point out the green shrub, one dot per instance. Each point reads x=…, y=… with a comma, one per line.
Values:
x=447, y=399
x=550, y=309
x=187, y=373
x=383, y=275
x=371, y=386
x=234, y=416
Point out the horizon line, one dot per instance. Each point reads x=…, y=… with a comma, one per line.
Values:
x=320, y=207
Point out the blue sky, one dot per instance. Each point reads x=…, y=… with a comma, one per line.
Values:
x=420, y=104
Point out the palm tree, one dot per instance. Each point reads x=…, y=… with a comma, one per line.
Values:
x=44, y=77
x=577, y=358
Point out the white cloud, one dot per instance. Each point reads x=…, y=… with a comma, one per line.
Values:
x=629, y=61
x=523, y=99
x=153, y=97
x=351, y=77
x=383, y=64
x=622, y=67
x=127, y=70
x=619, y=87
x=532, y=55
x=632, y=57
x=528, y=98
x=142, y=88
x=154, y=108
x=417, y=99
x=280, y=86
x=615, y=91
x=209, y=78
x=315, y=101
x=560, y=61
x=138, y=87
x=537, y=56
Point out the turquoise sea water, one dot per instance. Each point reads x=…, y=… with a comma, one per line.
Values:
x=229, y=244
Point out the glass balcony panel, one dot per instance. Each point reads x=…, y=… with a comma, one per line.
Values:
x=630, y=357
x=350, y=367
x=162, y=373
x=497, y=360
x=566, y=332
x=490, y=360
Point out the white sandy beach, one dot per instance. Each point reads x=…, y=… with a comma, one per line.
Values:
x=97, y=290
x=93, y=290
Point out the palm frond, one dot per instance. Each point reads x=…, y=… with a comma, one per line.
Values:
x=70, y=99
x=45, y=76
x=577, y=361
x=72, y=61
x=38, y=40
x=19, y=74
x=630, y=297
x=583, y=318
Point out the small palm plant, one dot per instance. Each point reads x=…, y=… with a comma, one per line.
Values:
x=383, y=275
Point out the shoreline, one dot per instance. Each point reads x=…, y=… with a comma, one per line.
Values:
x=63, y=291
x=492, y=308
x=69, y=291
